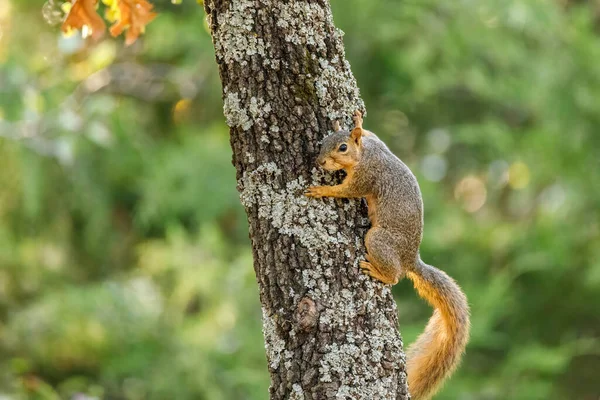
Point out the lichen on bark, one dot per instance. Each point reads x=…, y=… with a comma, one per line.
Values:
x=330, y=332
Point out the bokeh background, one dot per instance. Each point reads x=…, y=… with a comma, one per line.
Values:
x=125, y=267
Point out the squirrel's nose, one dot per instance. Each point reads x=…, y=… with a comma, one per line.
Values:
x=320, y=163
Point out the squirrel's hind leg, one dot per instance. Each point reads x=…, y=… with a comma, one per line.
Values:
x=383, y=258
x=373, y=272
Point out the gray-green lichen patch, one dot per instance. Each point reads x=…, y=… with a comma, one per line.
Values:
x=288, y=210
x=297, y=392
x=245, y=111
x=235, y=114
x=274, y=344
x=332, y=87
x=259, y=109
x=298, y=21
x=382, y=389
x=236, y=40
x=339, y=360
x=252, y=182
x=361, y=356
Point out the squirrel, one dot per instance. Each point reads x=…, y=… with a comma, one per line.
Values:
x=395, y=209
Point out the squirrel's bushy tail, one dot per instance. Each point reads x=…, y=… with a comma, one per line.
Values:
x=437, y=351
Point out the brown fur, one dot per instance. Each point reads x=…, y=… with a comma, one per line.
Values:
x=396, y=214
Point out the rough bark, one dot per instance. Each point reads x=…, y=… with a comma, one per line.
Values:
x=330, y=332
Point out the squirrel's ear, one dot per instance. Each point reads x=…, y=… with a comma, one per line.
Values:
x=356, y=135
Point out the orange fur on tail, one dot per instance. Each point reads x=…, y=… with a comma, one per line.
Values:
x=437, y=351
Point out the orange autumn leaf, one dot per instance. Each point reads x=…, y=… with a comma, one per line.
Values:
x=83, y=13
x=134, y=16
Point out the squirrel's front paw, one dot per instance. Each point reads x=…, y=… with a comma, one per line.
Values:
x=315, y=191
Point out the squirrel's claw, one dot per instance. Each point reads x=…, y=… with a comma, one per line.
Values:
x=366, y=268
x=369, y=269
x=314, y=192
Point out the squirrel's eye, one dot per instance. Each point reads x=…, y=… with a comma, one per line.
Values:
x=343, y=147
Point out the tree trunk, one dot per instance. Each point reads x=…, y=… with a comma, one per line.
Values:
x=330, y=331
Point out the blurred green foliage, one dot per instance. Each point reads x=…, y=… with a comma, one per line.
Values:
x=125, y=268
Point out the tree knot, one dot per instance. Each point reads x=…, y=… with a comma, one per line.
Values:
x=307, y=314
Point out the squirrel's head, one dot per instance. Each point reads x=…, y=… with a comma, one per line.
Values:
x=341, y=150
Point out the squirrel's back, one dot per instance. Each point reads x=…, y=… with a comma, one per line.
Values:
x=395, y=194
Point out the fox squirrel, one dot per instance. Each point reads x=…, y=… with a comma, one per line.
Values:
x=395, y=209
